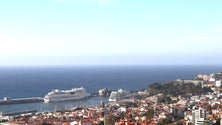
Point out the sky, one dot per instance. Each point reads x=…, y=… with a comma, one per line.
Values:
x=110, y=32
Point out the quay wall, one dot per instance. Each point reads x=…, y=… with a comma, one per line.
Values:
x=21, y=100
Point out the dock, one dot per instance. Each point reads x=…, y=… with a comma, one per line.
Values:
x=7, y=101
x=17, y=113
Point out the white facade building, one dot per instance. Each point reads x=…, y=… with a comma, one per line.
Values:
x=198, y=116
x=218, y=83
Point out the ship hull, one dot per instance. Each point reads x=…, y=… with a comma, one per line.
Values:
x=64, y=99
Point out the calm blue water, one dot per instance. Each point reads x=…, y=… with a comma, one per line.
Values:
x=37, y=81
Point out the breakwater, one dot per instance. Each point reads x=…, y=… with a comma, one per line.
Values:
x=18, y=112
x=7, y=101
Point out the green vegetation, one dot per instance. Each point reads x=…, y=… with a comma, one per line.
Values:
x=111, y=119
x=173, y=88
x=150, y=113
x=163, y=122
x=179, y=123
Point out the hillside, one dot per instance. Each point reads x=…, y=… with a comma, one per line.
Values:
x=174, y=88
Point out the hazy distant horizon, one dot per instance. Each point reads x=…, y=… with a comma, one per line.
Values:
x=105, y=66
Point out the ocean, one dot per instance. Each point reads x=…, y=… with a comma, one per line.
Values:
x=19, y=82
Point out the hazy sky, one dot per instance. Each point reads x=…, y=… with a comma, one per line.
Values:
x=110, y=32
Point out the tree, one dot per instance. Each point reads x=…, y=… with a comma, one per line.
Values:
x=45, y=123
x=206, y=123
x=179, y=123
x=163, y=122
x=150, y=113
x=190, y=123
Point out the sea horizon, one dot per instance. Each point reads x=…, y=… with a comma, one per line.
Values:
x=46, y=78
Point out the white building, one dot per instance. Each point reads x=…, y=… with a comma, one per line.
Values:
x=212, y=80
x=198, y=116
x=218, y=83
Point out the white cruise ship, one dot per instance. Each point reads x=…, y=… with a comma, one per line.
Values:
x=65, y=95
x=118, y=95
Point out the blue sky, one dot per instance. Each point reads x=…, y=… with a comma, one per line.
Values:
x=110, y=32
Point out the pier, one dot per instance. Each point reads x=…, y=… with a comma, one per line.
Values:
x=17, y=113
x=7, y=101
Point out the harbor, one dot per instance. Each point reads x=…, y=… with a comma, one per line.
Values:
x=52, y=96
x=41, y=106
